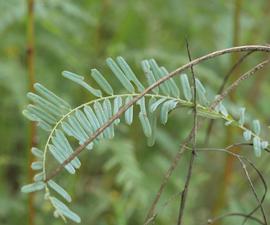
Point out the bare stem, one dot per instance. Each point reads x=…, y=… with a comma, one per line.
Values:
x=221, y=88
x=177, y=157
x=237, y=82
x=235, y=214
x=193, y=153
x=78, y=150
x=241, y=159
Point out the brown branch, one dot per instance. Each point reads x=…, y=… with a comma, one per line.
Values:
x=232, y=70
x=241, y=159
x=220, y=90
x=264, y=194
x=229, y=161
x=213, y=220
x=31, y=79
x=226, y=150
x=255, y=193
x=78, y=150
x=174, y=163
x=193, y=153
x=164, y=205
x=237, y=82
x=256, y=90
x=150, y=215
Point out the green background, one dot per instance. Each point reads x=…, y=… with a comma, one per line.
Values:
x=79, y=35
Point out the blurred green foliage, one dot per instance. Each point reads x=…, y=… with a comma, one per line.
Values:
x=79, y=35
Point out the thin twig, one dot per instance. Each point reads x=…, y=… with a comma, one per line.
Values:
x=193, y=153
x=237, y=82
x=134, y=100
x=230, y=72
x=164, y=205
x=79, y=149
x=255, y=195
x=226, y=150
x=241, y=158
x=220, y=90
x=213, y=220
x=177, y=157
x=149, y=216
x=264, y=194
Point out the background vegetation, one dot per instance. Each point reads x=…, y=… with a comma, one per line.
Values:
x=79, y=35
